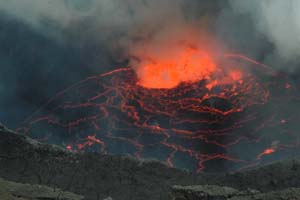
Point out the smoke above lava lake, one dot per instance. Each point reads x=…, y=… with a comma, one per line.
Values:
x=173, y=57
x=185, y=53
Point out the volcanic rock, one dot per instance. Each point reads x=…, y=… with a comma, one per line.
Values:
x=92, y=175
x=16, y=191
x=213, y=192
x=96, y=176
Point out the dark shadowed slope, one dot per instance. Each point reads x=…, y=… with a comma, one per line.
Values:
x=98, y=176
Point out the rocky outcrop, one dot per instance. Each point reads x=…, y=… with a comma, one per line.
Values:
x=213, y=192
x=98, y=177
x=16, y=191
x=92, y=175
x=203, y=192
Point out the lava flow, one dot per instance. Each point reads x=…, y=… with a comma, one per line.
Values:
x=190, y=111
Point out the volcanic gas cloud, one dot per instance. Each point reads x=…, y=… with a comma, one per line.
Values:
x=182, y=101
x=167, y=62
x=181, y=56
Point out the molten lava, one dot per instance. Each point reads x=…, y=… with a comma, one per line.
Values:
x=179, y=55
x=181, y=106
x=187, y=65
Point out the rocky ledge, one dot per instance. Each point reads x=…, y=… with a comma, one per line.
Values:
x=16, y=191
x=98, y=177
x=214, y=192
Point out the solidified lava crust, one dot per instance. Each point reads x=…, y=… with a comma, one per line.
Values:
x=221, y=123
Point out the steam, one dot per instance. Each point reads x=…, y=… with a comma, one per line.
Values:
x=33, y=12
x=121, y=23
x=278, y=20
x=125, y=26
x=109, y=14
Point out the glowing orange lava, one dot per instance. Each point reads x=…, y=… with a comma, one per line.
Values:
x=266, y=152
x=236, y=75
x=175, y=55
x=187, y=65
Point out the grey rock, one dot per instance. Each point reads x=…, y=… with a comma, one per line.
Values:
x=16, y=191
x=213, y=192
x=203, y=192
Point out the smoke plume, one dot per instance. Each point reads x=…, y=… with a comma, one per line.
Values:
x=278, y=21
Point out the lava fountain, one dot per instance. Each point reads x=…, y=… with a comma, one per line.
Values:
x=180, y=104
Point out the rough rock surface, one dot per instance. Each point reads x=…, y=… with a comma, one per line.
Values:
x=213, y=192
x=92, y=175
x=16, y=191
x=98, y=177
x=203, y=192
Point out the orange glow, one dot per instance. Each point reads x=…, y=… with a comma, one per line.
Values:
x=269, y=151
x=212, y=84
x=236, y=75
x=266, y=152
x=188, y=65
x=176, y=55
x=183, y=55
